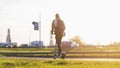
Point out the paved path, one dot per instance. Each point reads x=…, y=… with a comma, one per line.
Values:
x=83, y=59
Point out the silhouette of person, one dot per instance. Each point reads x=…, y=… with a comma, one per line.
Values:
x=58, y=28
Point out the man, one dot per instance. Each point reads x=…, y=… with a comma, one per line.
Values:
x=58, y=28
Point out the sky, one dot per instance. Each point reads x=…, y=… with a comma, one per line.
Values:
x=95, y=21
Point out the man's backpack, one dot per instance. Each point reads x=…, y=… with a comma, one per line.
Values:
x=60, y=27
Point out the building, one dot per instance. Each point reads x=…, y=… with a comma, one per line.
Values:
x=69, y=44
x=8, y=44
x=36, y=44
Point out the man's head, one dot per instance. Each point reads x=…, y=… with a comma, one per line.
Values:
x=57, y=15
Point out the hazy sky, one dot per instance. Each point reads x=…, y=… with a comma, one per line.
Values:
x=95, y=21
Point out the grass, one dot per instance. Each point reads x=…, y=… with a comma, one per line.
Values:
x=25, y=49
x=34, y=63
x=94, y=49
x=78, y=49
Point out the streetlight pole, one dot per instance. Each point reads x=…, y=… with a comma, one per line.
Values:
x=40, y=29
x=1, y=36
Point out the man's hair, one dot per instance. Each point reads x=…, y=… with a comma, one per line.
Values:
x=57, y=15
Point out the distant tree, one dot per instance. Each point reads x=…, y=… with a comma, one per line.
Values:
x=77, y=40
x=114, y=44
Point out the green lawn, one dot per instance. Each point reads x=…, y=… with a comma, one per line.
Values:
x=78, y=49
x=94, y=49
x=25, y=49
x=34, y=63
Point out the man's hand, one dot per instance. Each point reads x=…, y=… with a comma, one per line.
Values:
x=52, y=32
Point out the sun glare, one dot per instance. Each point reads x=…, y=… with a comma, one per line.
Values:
x=96, y=22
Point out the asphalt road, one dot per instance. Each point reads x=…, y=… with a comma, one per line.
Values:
x=83, y=59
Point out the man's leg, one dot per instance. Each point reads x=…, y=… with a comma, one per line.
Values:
x=58, y=42
x=59, y=48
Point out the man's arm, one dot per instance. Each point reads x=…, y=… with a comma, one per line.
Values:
x=63, y=25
